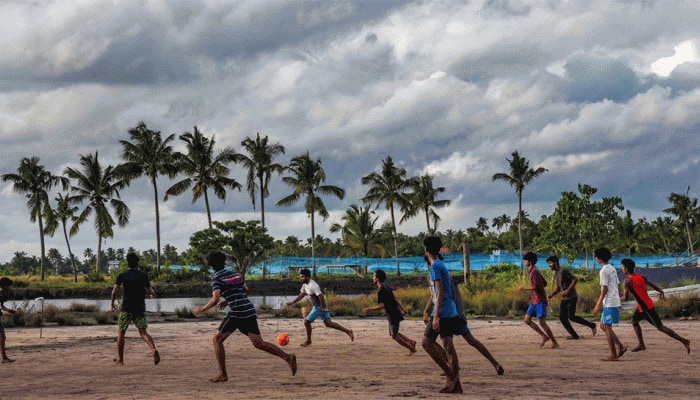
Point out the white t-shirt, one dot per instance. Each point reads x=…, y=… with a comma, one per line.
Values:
x=608, y=277
x=313, y=291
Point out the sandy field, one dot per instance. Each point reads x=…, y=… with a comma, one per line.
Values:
x=76, y=363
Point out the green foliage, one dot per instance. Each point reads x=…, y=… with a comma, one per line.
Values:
x=184, y=312
x=679, y=306
x=94, y=276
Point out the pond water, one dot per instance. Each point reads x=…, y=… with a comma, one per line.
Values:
x=156, y=305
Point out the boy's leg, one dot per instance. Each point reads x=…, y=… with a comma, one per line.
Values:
x=575, y=318
x=638, y=332
x=149, y=341
x=5, y=359
x=220, y=355
x=565, y=314
x=484, y=351
x=406, y=342
x=307, y=325
x=120, y=347
x=334, y=325
x=607, y=328
x=452, y=386
x=268, y=347
x=548, y=332
x=528, y=321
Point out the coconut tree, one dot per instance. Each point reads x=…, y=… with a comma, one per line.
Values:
x=307, y=177
x=34, y=181
x=260, y=166
x=423, y=198
x=98, y=187
x=389, y=187
x=204, y=170
x=148, y=154
x=687, y=212
x=65, y=210
x=520, y=176
x=358, y=228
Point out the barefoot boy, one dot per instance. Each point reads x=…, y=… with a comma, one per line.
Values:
x=136, y=285
x=636, y=284
x=538, y=301
x=310, y=288
x=610, y=299
x=5, y=289
x=394, y=311
x=241, y=316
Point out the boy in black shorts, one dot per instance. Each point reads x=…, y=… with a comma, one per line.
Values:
x=241, y=316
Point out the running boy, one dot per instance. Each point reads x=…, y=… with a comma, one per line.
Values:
x=636, y=284
x=394, y=310
x=241, y=316
x=538, y=301
x=5, y=289
x=310, y=288
x=610, y=299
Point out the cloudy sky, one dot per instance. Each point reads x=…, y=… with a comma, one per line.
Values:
x=605, y=93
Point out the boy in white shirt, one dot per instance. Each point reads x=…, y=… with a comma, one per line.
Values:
x=610, y=299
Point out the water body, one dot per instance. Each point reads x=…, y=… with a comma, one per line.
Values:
x=157, y=305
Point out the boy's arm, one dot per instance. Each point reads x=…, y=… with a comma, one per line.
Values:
x=379, y=306
x=113, y=296
x=658, y=289
x=322, y=300
x=438, y=305
x=215, y=296
x=428, y=308
x=574, y=281
x=603, y=292
x=627, y=286
x=297, y=299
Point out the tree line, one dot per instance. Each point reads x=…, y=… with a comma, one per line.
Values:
x=92, y=191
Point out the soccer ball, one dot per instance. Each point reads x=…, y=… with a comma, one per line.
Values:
x=283, y=339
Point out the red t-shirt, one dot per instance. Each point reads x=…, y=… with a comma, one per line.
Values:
x=639, y=289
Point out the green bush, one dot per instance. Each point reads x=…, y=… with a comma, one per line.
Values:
x=78, y=307
x=184, y=312
x=678, y=306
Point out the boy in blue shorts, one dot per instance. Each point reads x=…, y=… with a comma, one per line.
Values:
x=610, y=299
x=394, y=311
x=538, y=301
x=320, y=309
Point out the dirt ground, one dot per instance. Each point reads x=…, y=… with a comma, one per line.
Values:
x=76, y=363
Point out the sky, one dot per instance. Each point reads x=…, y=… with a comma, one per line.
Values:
x=604, y=93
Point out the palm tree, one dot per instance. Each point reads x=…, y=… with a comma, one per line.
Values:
x=204, y=170
x=99, y=187
x=260, y=168
x=520, y=175
x=500, y=222
x=64, y=211
x=358, y=228
x=307, y=180
x=389, y=187
x=149, y=154
x=423, y=199
x=34, y=181
x=482, y=224
x=687, y=211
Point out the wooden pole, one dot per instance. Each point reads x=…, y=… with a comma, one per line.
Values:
x=467, y=262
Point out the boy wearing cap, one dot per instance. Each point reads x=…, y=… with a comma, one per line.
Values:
x=5, y=289
x=566, y=284
x=538, y=301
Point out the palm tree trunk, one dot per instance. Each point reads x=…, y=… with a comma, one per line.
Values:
x=70, y=254
x=206, y=204
x=396, y=240
x=155, y=198
x=520, y=229
x=97, y=256
x=43, y=247
x=427, y=221
x=467, y=261
x=262, y=223
x=690, y=238
x=313, y=243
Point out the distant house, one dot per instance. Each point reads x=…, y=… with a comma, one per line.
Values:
x=112, y=265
